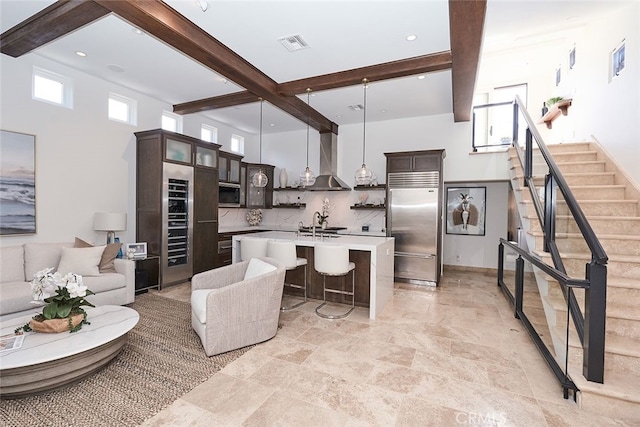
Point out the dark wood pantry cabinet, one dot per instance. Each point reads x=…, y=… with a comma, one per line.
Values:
x=177, y=202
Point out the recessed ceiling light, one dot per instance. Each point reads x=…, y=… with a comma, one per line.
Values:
x=422, y=77
x=80, y=53
x=138, y=31
x=115, y=68
x=383, y=111
x=411, y=37
x=272, y=124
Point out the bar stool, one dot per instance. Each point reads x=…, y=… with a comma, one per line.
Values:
x=333, y=260
x=252, y=247
x=285, y=252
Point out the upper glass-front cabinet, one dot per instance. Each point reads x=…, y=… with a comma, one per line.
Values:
x=206, y=157
x=177, y=151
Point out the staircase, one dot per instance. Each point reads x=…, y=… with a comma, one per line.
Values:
x=611, y=204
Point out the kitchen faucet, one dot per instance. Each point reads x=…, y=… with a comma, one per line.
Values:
x=313, y=223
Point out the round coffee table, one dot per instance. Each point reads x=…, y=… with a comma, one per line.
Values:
x=49, y=361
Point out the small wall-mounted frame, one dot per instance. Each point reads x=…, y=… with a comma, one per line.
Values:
x=617, y=60
x=466, y=210
x=139, y=250
x=572, y=58
x=558, y=76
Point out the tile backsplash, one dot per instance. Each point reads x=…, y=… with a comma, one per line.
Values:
x=340, y=214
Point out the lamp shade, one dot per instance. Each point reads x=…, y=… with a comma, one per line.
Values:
x=109, y=221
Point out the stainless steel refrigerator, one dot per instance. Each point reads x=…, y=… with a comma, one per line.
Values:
x=414, y=220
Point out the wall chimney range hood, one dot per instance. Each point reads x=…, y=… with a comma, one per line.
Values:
x=327, y=179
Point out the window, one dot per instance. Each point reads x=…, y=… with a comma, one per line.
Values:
x=617, y=60
x=209, y=133
x=122, y=109
x=237, y=144
x=493, y=124
x=172, y=122
x=52, y=88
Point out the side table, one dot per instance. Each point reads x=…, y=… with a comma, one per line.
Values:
x=147, y=273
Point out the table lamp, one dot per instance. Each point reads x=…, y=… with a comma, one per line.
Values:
x=110, y=222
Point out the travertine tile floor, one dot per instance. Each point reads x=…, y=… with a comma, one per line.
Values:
x=450, y=356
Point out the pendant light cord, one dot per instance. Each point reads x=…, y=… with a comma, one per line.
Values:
x=308, y=104
x=364, y=120
x=261, y=102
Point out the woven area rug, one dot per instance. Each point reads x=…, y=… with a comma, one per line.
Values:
x=162, y=360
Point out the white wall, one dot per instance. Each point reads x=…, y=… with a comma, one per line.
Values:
x=480, y=251
x=85, y=163
x=608, y=110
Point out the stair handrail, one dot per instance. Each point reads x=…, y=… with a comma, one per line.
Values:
x=598, y=253
x=591, y=326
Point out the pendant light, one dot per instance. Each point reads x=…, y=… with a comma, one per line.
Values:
x=364, y=176
x=307, y=178
x=259, y=179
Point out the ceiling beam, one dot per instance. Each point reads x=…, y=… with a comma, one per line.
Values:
x=385, y=71
x=49, y=24
x=222, y=101
x=388, y=70
x=161, y=21
x=466, y=24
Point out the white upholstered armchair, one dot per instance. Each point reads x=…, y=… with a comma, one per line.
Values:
x=237, y=305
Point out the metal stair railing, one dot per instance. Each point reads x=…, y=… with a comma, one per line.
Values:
x=590, y=326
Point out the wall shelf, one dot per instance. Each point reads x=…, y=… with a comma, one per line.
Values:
x=289, y=189
x=370, y=187
x=560, y=107
x=369, y=206
x=290, y=206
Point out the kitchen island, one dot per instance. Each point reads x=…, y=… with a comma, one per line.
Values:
x=373, y=257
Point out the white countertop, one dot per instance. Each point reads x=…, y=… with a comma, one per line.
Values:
x=264, y=227
x=366, y=243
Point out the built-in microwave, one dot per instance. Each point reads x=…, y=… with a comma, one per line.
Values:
x=228, y=195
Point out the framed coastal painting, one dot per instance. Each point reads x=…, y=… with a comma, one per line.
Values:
x=466, y=210
x=17, y=183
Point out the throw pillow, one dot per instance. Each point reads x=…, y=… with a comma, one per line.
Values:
x=108, y=256
x=82, y=261
x=257, y=267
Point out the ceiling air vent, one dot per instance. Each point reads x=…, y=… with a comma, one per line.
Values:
x=356, y=107
x=293, y=43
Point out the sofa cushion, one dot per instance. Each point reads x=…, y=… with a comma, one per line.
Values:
x=105, y=282
x=38, y=256
x=257, y=267
x=199, y=304
x=108, y=256
x=16, y=296
x=82, y=261
x=12, y=264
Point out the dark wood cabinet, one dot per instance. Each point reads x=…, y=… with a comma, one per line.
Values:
x=259, y=198
x=205, y=213
x=229, y=167
x=414, y=161
x=157, y=152
x=243, y=184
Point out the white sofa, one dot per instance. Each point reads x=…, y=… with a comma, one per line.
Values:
x=18, y=264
